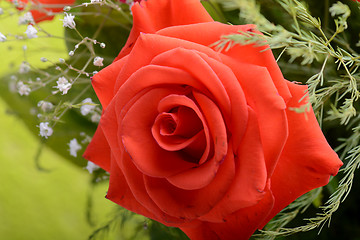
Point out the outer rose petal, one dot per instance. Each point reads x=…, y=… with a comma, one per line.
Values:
x=151, y=16
x=198, y=33
x=264, y=99
x=104, y=82
x=120, y=193
x=98, y=151
x=237, y=226
x=307, y=159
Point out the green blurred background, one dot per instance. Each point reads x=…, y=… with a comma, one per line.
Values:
x=41, y=204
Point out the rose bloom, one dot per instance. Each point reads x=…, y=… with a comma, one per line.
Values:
x=200, y=139
x=42, y=10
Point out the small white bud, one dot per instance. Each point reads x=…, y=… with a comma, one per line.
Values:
x=61, y=60
x=102, y=45
x=67, y=8
x=71, y=53
x=43, y=59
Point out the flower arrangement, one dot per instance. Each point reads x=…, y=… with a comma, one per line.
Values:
x=222, y=131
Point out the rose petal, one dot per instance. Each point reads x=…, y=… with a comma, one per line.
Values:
x=307, y=160
x=218, y=79
x=239, y=225
x=136, y=134
x=190, y=204
x=176, y=131
x=98, y=150
x=248, y=187
x=134, y=179
x=198, y=33
x=206, y=172
x=264, y=99
x=149, y=46
x=173, y=101
x=104, y=82
x=151, y=16
x=120, y=193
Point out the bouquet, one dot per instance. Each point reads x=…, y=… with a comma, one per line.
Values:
x=211, y=119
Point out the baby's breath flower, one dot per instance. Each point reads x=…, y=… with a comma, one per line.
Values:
x=31, y=32
x=98, y=61
x=74, y=147
x=68, y=21
x=340, y=9
x=2, y=37
x=86, y=108
x=71, y=53
x=23, y=89
x=45, y=129
x=45, y=106
x=95, y=117
x=1, y=11
x=26, y=18
x=63, y=85
x=24, y=68
x=91, y=167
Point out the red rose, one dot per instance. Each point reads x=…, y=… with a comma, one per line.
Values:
x=42, y=10
x=200, y=139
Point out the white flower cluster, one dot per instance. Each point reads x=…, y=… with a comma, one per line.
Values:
x=98, y=61
x=68, y=21
x=63, y=85
x=74, y=147
x=45, y=130
x=31, y=32
x=88, y=108
x=45, y=106
x=23, y=89
x=91, y=167
x=24, y=68
x=26, y=19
